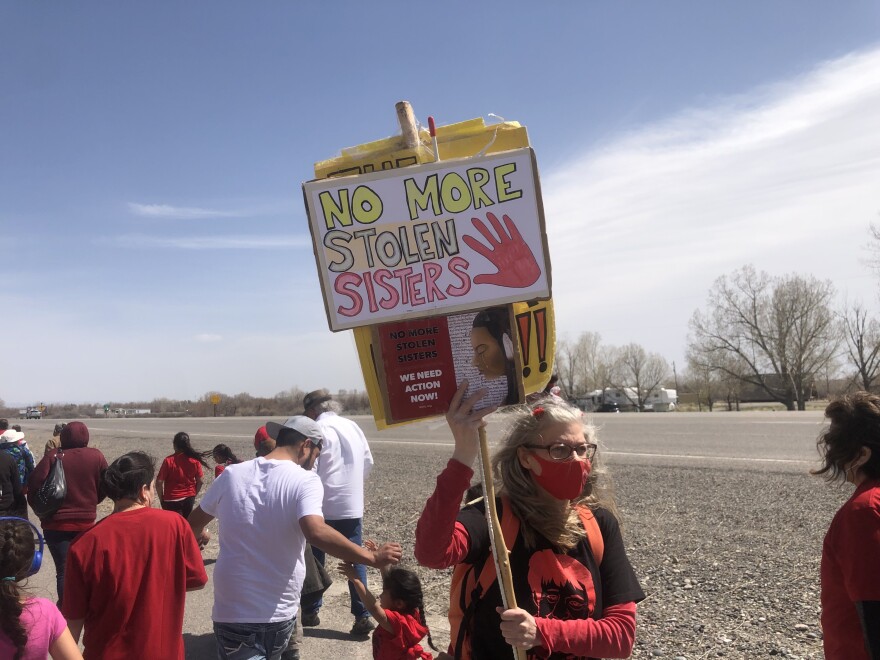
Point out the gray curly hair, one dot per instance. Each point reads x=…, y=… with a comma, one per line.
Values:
x=538, y=514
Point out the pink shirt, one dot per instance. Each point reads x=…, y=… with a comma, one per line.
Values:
x=44, y=624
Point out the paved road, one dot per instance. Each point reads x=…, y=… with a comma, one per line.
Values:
x=748, y=441
x=746, y=437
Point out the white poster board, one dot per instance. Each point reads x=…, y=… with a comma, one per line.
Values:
x=429, y=239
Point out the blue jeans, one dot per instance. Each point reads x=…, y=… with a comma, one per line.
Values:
x=352, y=529
x=59, y=543
x=252, y=641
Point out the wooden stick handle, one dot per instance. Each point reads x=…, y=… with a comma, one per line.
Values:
x=499, y=554
x=407, y=120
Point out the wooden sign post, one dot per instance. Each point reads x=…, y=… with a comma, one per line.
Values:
x=405, y=242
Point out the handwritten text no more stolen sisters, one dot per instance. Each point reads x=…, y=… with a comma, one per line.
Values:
x=421, y=241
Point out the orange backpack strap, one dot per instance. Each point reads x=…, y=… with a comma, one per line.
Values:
x=594, y=534
x=470, y=583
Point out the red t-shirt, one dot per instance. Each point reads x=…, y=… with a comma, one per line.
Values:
x=850, y=572
x=180, y=474
x=127, y=578
x=402, y=643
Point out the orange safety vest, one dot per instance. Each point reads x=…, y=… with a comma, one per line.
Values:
x=471, y=581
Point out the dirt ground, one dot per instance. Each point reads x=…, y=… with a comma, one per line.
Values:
x=727, y=552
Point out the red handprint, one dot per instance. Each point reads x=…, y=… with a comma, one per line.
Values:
x=517, y=266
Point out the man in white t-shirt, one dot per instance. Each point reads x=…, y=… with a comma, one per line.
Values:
x=344, y=464
x=271, y=504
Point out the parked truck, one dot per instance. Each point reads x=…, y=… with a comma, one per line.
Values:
x=30, y=413
x=624, y=399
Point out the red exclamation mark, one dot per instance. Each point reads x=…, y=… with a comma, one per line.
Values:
x=541, y=336
x=524, y=326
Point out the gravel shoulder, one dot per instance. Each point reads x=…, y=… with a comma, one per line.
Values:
x=728, y=558
x=728, y=555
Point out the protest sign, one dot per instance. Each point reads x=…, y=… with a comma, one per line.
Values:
x=429, y=239
x=533, y=321
x=423, y=360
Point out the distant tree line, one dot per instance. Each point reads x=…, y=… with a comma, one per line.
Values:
x=784, y=338
x=586, y=365
x=283, y=404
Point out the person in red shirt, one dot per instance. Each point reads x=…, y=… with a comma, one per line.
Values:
x=263, y=444
x=82, y=471
x=180, y=477
x=850, y=571
x=399, y=612
x=127, y=577
x=569, y=603
x=223, y=456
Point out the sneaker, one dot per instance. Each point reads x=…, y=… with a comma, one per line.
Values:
x=362, y=626
x=290, y=655
x=310, y=619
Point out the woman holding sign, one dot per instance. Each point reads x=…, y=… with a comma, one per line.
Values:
x=574, y=586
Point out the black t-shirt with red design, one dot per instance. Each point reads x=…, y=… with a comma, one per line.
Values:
x=547, y=584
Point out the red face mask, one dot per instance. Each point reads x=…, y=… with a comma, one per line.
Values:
x=564, y=480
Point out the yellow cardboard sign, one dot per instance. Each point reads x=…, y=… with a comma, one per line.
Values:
x=534, y=320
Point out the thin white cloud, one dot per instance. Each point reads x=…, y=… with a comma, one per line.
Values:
x=785, y=177
x=142, y=241
x=207, y=338
x=166, y=211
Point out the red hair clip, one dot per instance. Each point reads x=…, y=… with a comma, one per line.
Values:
x=538, y=412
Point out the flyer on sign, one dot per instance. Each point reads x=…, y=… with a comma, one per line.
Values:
x=422, y=361
x=429, y=239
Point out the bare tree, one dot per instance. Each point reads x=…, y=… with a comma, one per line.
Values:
x=601, y=362
x=568, y=365
x=862, y=338
x=730, y=381
x=780, y=332
x=639, y=373
x=874, y=247
x=702, y=379
x=585, y=364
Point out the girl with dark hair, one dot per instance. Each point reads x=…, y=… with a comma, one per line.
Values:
x=223, y=456
x=30, y=628
x=180, y=477
x=399, y=612
x=493, y=349
x=127, y=577
x=850, y=596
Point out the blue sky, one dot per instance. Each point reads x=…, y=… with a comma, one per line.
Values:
x=151, y=214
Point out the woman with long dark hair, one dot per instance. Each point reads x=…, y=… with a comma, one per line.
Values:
x=180, y=477
x=223, y=457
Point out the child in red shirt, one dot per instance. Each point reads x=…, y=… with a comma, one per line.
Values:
x=223, y=456
x=399, y=613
